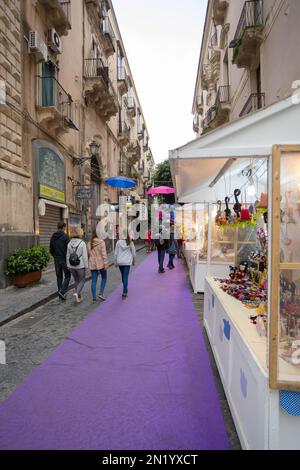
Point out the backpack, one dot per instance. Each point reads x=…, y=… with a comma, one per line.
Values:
x=74, y=259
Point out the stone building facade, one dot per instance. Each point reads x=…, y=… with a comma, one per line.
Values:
x=247, y=59
x=70, y=117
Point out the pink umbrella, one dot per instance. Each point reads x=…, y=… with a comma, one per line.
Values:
x=161, y=190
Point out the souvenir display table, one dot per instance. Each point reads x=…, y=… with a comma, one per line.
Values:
x=240, y=354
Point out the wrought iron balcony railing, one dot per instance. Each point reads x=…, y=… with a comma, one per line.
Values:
x=94, y=68
x=223, y=96
x=52, y=95
x=252, y=15
x=214, y=40
x=254, y=102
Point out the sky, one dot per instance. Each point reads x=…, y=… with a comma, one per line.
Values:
x=162, y=39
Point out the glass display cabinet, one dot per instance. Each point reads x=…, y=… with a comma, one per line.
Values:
x=285, y=284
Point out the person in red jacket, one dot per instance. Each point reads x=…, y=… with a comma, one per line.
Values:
x=149, y=241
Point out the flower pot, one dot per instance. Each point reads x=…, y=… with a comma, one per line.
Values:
x=23, y=280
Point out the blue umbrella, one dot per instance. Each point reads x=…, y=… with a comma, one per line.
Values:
x=120, y=182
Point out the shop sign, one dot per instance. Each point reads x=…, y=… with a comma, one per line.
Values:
x=47, y=192
x=51, y=169
x=84, y=192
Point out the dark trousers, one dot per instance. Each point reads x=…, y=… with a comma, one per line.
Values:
x=161, y=257
x=125, y=274
x=63, y=275
x=171, y=260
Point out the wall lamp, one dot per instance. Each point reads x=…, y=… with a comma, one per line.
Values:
x=94, y=150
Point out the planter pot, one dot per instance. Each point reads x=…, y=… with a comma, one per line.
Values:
x=23, y=280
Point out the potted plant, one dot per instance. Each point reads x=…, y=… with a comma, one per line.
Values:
x=25, y=265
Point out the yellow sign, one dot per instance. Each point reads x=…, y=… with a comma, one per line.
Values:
x=51, y=193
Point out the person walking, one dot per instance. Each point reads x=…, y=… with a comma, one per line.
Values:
x=77, y=262
x=149, y=241
x=58, y=249
x=173, y=249
x=98, y=265
x=125, y=258
x=162, y=245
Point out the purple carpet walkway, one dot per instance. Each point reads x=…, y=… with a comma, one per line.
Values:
x=134, y=374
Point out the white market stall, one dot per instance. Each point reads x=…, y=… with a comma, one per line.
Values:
x=260, y=374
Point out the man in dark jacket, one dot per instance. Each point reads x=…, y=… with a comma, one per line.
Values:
x=58, y=249
x=162, y=244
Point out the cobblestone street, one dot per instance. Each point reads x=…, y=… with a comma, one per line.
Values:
x=30, y=338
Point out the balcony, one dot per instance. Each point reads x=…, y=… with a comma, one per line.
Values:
x=123, y=83
x=146, y=146
x=130, y=106
x=124, y=134
x=108, y=35
x=134, y=151
x=249, y=34
x=215, y=56
x=199, y=103
x=206, y=76
x=99, y=91
x=255, y=101
x=196, y=123
x=220, y=11
x=141, y=131
x=58, y=15
x=54, y=106
x=219, y=113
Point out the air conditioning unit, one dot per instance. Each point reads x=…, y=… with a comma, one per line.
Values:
x=54, y=41
x=37, y=46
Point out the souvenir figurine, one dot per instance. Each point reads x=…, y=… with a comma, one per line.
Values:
x=237, y=206
x=219, y=212
x=232, y=272
x=245, y=215
x=228, y=211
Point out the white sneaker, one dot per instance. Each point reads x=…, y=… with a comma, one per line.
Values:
x=77, y=298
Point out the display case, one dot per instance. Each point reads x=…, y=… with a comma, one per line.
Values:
x=285, y=286
x=193, y=222
x=209, y=248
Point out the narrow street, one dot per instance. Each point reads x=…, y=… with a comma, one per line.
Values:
x=133, y=374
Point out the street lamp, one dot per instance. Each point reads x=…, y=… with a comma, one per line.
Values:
x=94, y=149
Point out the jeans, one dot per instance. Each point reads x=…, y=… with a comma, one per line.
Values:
x=125, y=274
x=171, y=260
x=95, y=273
x=161, y=257
x=62, y=271
x=79, y=278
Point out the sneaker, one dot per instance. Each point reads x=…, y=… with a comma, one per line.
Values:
x=77, y=299
x=62, y=296
x=101, y=297
x=161, y=270
x=124, y=296
x=94, y=301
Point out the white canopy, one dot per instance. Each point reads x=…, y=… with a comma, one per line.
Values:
x=197, y=164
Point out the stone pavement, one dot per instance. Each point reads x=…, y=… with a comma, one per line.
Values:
x=16, y=301
x=30, y=338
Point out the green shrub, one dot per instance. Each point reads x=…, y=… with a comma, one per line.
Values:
x=27, y=260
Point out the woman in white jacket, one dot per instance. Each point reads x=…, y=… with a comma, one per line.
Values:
x=77, y=262
x=124, y=258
